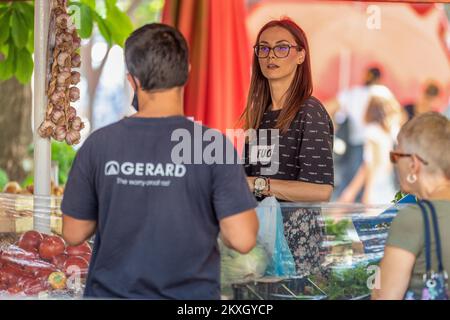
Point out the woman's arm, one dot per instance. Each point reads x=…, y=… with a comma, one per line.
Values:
x=296, y=191
x=394, y=274
x=351, y=192
x=372, y=154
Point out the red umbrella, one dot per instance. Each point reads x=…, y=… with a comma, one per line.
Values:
x=409, y=47
x=220, y=58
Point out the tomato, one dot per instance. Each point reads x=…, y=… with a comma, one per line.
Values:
x=50, y=247
x=87, y=257
x=30, y=241
x=82, y=249
x=76, y=265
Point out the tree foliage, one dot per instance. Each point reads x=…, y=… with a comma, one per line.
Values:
x=17, y=31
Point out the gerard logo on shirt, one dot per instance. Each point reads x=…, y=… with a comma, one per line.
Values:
x=114, y=168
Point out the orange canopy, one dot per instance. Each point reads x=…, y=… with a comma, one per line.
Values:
x=409, y=46
x=220, y=57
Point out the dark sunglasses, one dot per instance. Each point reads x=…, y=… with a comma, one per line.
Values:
x=395, y=156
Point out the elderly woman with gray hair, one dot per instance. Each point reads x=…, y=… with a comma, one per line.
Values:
x=422, y=160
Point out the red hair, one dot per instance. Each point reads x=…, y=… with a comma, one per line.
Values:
x=301, y=88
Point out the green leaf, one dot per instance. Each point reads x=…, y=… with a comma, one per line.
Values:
x=64, y=155
x=8, y=66
x=4, y=27
x=103, y=28
x=3, y=50
x=29, y=180
x=118, y=22
x=28, y=13
x=90, y=3
x=30, y=43
x=83, y=20
x=19, y=29
x=25, y=66
x=3, y=8
x=3, y=179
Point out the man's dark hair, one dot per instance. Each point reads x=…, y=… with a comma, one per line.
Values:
x=157, y=55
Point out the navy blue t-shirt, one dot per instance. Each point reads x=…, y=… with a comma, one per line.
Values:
x=157, y=220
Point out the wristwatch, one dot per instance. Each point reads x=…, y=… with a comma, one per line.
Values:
x=261, y=184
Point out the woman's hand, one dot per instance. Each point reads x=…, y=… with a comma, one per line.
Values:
x=347, y=196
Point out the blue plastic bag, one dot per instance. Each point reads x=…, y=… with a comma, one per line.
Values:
x=271, y=236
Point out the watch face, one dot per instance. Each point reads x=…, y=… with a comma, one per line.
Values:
x=260, y=184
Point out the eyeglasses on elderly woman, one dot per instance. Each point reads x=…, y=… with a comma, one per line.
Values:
x=395, y=156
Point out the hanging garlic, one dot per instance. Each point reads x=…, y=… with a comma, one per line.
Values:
x=77, y=124
x=64, y=59
x=57, y=117
x=60, y=133
x=61, y=121
x=76, y=40
x=58, y=97
x=71, y=114
x=76, y=60
x=75, y=78
x=46, y=129
x=62, y=21
x=64, y=38
x=73, y=137
x=74, y=94
x=64, y=78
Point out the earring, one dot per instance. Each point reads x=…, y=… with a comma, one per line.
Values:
x=411, y=178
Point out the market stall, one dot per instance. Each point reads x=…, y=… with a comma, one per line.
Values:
x=36, y=263
x=41, y=266
x=351, y=247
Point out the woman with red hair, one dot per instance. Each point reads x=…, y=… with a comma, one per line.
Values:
x=290, y=154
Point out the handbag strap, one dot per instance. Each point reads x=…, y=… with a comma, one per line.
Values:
x=426, y=223
x=436, y=234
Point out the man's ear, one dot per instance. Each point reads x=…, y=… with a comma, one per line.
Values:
x=133, y=82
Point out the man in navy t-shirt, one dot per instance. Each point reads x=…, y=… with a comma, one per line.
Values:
x=145, y=186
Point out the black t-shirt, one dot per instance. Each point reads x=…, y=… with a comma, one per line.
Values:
x=157, y=221
x=305, y=151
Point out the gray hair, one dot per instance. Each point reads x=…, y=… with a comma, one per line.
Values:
x=428, y=136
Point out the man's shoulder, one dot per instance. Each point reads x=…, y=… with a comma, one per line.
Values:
x=106, y=130
x=103, y=135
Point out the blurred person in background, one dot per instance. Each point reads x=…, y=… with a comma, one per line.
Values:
x=351, y=105
x=422, y=161
x=426, y=103
x=376, y=174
